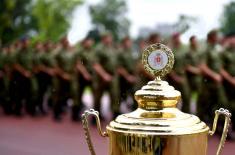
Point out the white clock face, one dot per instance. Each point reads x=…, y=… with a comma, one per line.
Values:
x=157, y=60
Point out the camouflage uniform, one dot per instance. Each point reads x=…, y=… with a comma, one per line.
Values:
x=24, y=86
x=127, y=61
x=143, y=76
x=84, y=56
x=212, y=95
x=192, y=58
x=106, y=57
x=229, y=65
x=179, y=69
x=43, y=79
x=66, y=88
x=2, y=84
x=11, y=82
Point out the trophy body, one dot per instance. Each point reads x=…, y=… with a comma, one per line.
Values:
x=142, y=144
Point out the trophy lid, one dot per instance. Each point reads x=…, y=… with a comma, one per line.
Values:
x=157, y=112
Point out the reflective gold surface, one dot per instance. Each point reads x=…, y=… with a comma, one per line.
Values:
x=157, y=94
x=227, y=115
x=157, y=113
x=145, y=144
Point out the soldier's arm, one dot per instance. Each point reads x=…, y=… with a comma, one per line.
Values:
x=35, y=69
x=228, y=77
x=38, y=68
x=205, y=70
x=82, y=69
x=48, y=70
x=7, y=70
x=102, y=73
x=57, y=70
x=193, y=69
x=124, y=73
x=41, y=68
x=141, y=70
x=45, y=69
x=22, y=70
x=1, y=73
x=64, y=75
x=175, y=77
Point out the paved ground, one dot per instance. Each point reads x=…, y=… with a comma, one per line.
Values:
x=43, y=136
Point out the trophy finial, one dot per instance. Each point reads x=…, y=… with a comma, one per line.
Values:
x=158, y=60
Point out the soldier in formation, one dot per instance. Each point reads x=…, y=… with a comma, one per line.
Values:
x=213, y=96
x=83, y=66
x=104, y=65
x=126, y=69
x=192, y=69
x=228, y=74
x=178, y=75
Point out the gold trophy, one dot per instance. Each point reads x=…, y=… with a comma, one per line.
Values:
x=157, y=126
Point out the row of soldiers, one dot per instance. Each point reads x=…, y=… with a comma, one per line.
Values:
x=62, y=72
x=28, y=73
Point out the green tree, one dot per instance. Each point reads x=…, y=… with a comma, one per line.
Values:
x=15, y=19
x=109, y=15
x=52, y=17
x=40, y=19
x=228, y=19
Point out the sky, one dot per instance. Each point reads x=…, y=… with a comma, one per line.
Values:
x=149, y=13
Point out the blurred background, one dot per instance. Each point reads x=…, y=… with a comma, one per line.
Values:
x=61, y=57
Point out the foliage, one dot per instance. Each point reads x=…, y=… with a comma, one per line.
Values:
x=228, y=19
x=109, y=15
x=15, y=19
x=40, y=19
x=53, y=17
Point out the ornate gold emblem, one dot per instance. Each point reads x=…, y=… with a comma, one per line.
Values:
x=158, y=60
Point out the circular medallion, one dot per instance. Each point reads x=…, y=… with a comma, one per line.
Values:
x=158, y=59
